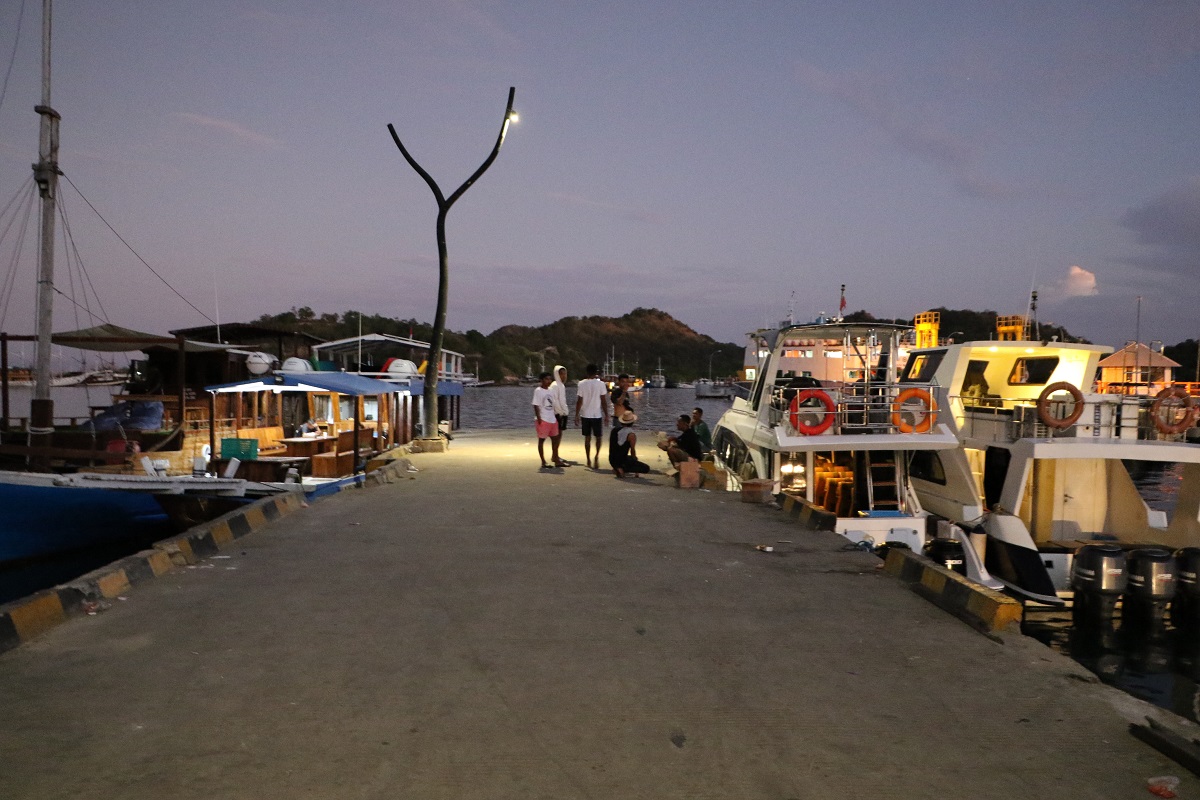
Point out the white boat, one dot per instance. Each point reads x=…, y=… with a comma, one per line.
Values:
x=1044, y=463
x=658, y=380
x=842, y=450
x=709, y=388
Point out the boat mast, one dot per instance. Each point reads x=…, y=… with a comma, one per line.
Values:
x=45, y=172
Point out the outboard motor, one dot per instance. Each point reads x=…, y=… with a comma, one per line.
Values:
x=1098, y=578
x=1151, y=587
x=948, y=553
x=1185, y=608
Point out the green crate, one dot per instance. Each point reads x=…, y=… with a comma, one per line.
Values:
x=241, y=449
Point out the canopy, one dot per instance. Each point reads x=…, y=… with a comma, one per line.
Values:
x=340, y=382
x=115, y=339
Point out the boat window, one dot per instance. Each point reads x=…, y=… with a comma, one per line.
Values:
x=322, y=408
x=370, y=408
x=921, y=366
x=975, y=383
x=1033, y=371
x=345, y=407
x=927, y=466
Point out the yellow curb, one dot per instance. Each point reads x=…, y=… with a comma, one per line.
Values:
x=38, y=616
x=113, y=584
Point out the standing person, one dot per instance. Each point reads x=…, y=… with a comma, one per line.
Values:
x=620, y=397
x=591, y=403
x=622, y=447
x=545, y=421
x=701, y=429
x=558, y=391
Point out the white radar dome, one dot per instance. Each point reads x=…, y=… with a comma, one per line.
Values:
x=296, y=364
x=259, y=363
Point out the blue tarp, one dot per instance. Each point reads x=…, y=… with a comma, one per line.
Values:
x=137, y=415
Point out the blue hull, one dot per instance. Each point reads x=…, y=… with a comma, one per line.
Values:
x=38, y=521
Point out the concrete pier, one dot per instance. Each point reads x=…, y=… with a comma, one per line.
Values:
x=480, y=629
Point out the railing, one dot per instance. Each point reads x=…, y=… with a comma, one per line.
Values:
x=857, y=409
x=1104, y=416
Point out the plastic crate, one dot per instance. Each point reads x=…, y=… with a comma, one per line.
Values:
x=241, y=449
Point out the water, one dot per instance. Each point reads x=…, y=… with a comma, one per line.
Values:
x=492, y=408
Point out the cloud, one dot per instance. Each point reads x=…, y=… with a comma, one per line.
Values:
x=234, y=129
x=1170, y=223
x=915, y=131
x=612, y=209
x=1078, y=282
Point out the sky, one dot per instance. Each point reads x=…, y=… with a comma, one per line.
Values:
x=729, y=163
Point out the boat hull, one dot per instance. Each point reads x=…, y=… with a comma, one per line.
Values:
x=41, y=521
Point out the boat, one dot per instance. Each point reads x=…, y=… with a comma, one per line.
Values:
x=658, y=380
x=1045, y=463
x=718, y=388
x=840, y=448
x=42, y=513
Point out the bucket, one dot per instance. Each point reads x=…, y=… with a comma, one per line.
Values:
x=757, y=491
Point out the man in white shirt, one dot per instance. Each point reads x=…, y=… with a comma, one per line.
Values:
x=591, y=412
x=558, y=391
x=545, y=421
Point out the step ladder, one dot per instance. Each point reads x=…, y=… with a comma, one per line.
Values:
x=883, y=481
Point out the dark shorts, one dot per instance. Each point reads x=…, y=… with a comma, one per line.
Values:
x=592, y=426
x=562, y=422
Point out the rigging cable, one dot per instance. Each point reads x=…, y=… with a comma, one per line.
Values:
x=13, y=58
x=26, y=193
x=136, y=255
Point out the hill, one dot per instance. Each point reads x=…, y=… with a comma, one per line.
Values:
x=636, y=342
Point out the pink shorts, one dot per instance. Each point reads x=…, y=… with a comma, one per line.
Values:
x=546, y=430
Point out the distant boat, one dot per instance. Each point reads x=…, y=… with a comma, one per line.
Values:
x=658, y=380
x=721, y=387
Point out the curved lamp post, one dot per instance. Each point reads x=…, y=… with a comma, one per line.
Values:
x=429, y=398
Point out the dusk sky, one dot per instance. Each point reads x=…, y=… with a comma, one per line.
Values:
x=723, y=162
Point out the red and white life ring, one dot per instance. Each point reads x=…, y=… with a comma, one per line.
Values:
x=796, y=417
x=930, y=406
x=1043, y=405
x=1181, y=424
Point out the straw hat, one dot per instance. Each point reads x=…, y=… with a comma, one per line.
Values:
x=628, y=418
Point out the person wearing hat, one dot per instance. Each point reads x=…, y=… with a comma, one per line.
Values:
x=622, y=447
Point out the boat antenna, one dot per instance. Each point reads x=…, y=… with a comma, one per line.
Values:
x=842, y=305
x=1037, y=334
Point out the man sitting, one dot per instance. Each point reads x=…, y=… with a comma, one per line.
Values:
x=685, y=446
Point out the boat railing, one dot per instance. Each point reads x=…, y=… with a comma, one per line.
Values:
x=855, y=409
x=1099, y=416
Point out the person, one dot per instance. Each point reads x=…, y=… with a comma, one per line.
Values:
x=545, y=421
x=685, y=446
x=701, y=429
x=620, y=396
x=591, y=404
x=622, y=447
x=309, y=426
x=558, y=392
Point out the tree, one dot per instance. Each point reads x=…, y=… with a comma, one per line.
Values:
x=429, y=429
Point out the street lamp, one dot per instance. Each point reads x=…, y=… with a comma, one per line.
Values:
x=429, y=397
x=950, y=338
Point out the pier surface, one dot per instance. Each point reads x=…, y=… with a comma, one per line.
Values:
x=478, y=629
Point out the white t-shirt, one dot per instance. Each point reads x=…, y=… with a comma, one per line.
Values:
x=544, y=400
x=591, y=390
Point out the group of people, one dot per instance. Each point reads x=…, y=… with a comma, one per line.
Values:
x=593, y=402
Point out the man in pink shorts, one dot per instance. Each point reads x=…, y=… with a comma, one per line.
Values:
x=545, y=420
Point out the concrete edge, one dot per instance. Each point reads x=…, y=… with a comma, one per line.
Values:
x=978, y=605
x=26, y=619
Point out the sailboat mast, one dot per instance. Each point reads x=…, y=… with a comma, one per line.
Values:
x=45, y=172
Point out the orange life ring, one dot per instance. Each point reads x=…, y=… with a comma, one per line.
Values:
x=926, y=423
x=1184, y=422
x=826, y=420
x=1043, y=405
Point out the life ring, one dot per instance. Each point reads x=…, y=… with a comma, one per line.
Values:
x=926, y=422
x=1184, y=422
x=826, y=419
x=1043, y=405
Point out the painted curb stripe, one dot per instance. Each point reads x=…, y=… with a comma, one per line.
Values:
x=990, y=609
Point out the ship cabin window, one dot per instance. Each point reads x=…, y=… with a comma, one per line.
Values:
x=921, y=366
x=345, y=407
x=322, y=408
x=926, y=465
x=1032, y=371
x=370, y=408
x=975, y=386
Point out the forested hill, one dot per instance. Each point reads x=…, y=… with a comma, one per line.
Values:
x=637, y=341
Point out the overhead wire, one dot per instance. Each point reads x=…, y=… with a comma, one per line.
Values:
x=15, y=218
x=136, y=255
x=12, y=59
